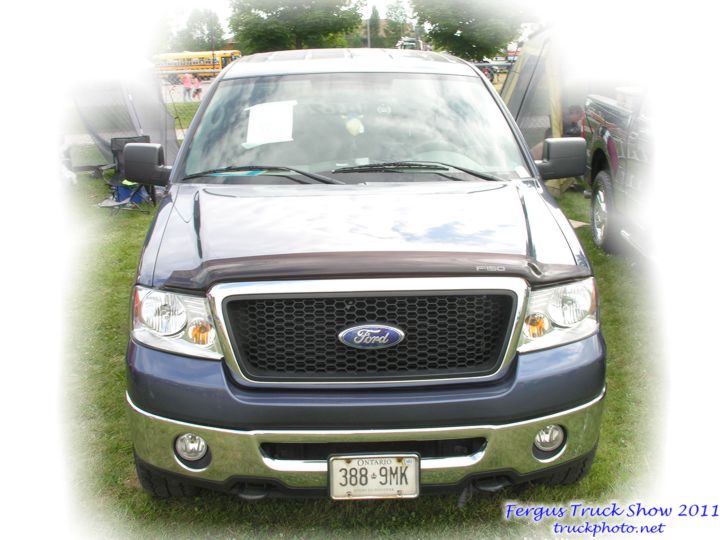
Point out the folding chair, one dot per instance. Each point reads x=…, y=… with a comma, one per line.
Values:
x=124, y=194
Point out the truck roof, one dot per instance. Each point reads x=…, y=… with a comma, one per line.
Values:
x=347, y=61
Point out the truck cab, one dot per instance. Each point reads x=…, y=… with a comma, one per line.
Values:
x=358, y=287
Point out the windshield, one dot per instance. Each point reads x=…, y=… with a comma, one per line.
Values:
x=324, y=122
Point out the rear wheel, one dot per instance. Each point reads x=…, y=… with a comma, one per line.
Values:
x=603, y=219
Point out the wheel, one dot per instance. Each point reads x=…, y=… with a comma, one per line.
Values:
x=161, y=486
x=603, y=219
x=572, y=473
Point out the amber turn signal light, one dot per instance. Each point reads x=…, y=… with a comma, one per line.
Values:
x=536, y=325
x=201, y=332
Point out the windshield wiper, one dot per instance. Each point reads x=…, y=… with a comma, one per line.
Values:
x=317, y=177
x=394, y=166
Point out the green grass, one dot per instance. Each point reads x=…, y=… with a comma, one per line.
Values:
x=574, y=205
x=183, y=112
x=104, y=468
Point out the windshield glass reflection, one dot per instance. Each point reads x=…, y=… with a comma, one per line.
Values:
x=320, y=122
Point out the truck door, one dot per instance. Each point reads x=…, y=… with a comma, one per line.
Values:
x=638, y=186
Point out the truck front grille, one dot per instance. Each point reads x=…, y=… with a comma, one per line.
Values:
x=296, y=338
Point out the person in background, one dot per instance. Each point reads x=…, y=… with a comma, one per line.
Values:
x=187, y=86
x=572, y=126
x=572, y=122
x=197, y=88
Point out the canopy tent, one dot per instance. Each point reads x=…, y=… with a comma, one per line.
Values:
x=546, y=88
x=125, y=105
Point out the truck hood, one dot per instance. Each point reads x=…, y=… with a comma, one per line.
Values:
x=218, y=233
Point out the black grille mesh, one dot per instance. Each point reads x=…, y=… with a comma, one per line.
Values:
x=297, y=338
x=322, y=451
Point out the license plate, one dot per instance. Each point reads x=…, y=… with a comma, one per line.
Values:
x=387, y=476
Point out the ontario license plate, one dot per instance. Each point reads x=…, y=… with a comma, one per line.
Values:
x=388, y=476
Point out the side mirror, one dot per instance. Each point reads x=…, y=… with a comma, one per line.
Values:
x=145, y=164
x=562, y=158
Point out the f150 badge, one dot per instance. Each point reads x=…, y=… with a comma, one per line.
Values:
x=371, y=336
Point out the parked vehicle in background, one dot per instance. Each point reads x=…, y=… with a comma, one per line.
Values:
x=358, y=287
x=487, y=70
x=203, y=64
x=412, y=43
x=619, y=149
x=492, y=69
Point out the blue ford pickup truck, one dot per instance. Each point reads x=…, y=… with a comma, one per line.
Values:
x=356, y=286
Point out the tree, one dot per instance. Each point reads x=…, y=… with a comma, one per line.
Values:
x=374, y=28
x=356, y=39
x=272, y=25
x=202, y=32
x=397, y=22
x=471, y=29
x=163, y=38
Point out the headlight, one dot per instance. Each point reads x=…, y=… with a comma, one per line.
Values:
x=559, y=315
x=174, y=322
x=570, y=304
x=162, y=312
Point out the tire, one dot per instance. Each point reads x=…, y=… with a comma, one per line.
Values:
x=160, y=486
x=572, y=473
x=603, y=218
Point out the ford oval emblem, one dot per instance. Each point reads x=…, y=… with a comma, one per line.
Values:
x=371, y=336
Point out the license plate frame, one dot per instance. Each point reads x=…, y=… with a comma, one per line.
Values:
x=373, y=463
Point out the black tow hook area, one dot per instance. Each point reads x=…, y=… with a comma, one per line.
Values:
x=482, y=485
x=252, y=492
x=491, y=485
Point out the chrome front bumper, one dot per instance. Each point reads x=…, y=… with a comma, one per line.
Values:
x=238, y=454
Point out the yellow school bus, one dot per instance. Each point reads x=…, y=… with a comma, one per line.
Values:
x=204, y=64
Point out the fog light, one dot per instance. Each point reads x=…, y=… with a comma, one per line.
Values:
x=549, y=438
x=191, y=447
